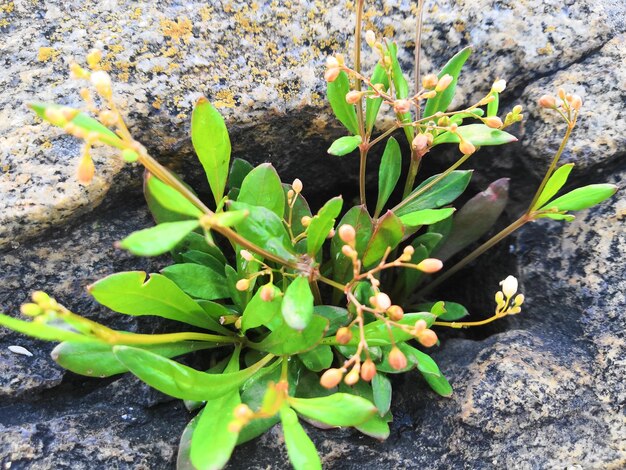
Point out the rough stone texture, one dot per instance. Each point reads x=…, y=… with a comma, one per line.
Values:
x=545, y=390
x=258, y=62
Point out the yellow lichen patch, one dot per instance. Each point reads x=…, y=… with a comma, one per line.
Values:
x=546, y=50
x=205, y=13
x=136, y=14
x=177, y=30
x=8, y=7
x=156, y=104
x=224, y=99
x=4, y=22
x=47, y=53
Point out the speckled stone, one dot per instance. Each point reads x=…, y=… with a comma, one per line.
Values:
x=600, y=134
x=259, y=62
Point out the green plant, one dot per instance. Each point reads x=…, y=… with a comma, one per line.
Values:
x=274, y=294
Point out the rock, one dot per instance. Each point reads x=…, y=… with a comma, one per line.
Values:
x=599, y=138
x=165, y=56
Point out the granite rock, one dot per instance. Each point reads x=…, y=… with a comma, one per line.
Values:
x=259, y=62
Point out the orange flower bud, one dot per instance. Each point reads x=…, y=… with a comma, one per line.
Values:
x=331, y=378
x=547, y=101
x=352, y=377
x=243, y=412
x=242, y=284
x=347, y=234
x=443, y=83
x=353, y=97
x=402, y=106
x=397, y=359
x=420, y=142
x=348, y=251
x=305, y=221
x=576, y=102
x=395, y=313
x=430, y=265
x=86, y=169
x=245, y=254
x=332, y=74
x=267, y=293
x=368, y=370
x=494, y=122
x=561, y=93
x=427, y=338
x=420, y=325
x=430, y=81
x=343, y=335
x=466, y=147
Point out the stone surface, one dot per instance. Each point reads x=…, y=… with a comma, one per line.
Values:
x=258, y=62
x=542, y=390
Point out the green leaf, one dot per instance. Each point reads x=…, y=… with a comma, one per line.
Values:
x=338, y=409
x=554, y=184
x=442, y=100
x=336, y=316
x=475, y=218
x=264, y=228
x=229, y=218
x=388, y=173
x=411, y=278
x=377, y=333
x=441, y=194
x=210, y=140
x=285, y=340
x=180, y=381
x=346, y=113
x=262, y=187
x=317, y=359
x=300, y=448
x=239, y=298
x=297, y=305
x=429, y=370
x=98, y=360
x=322, y=224
x=204, y=259
x=360, y=219
x=381, y=386
x=159, y=239
x=452, y=310
x=372, y=105
x=387, y=234
x=170, y=199
x=557, y=216
x=198, y=281
x=492, y=107
x=344, y=145
x=376, y=427
x=130, y=293
x=195, y=241
x=158, y=208
x=259, y=312
x=42, y=330
x=478, y=134
x=402, y=90
x=300, y=209
x=582, y=198
x=212, y=442
x=426, y=216
x=82, y=120
x=238, y=171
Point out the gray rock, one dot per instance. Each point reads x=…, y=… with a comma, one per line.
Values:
x=259, y=62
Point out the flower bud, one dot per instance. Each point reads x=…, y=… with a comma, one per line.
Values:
x=31, y=310
x=427, y=338
x=245, y=254
x=561, y=93
x=443, y=121
x=397, y=359
x=420, y=142
x=77, y=72
x=408, y=250
x=331, y=234
x=466, y=147
x=443, y=83
x=498, y=86
x=40, y=297
x=499, y=298
x=494, y=122
x=343, y=335
x=430, y=81
x=348, y=251
x=519, y=300
x=305, y=221
x=102, y=82
x=242, y=284
x=297, y=186
x=332, y=74
x=395, y=313
x=352, y=377
x=368, y=370
x=509, y=286
x=576, y=102
x=332, y=62
x=86, y=169
x=370, y=38
x=420, y=326
x=353, y=97
x=517, y=109
x=331, y=378
x=401, y=106
x=382, y=301
x=243, y=412
x=547, y=101
x=430, y=265
x=347, y=234
x=267, y=293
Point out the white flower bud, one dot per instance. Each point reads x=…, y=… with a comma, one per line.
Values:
x=509, y=286
x=498, y=86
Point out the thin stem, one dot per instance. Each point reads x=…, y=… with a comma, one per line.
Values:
x=476, y=253
x=418, y=47
x=432, y=183
x=382, y=136
x=362, y=166
x=171, y=338
x=410, y=177
x=359, y=109
x=468, y=324
x=315, y=289
x=332, y=283
x=555, y=160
